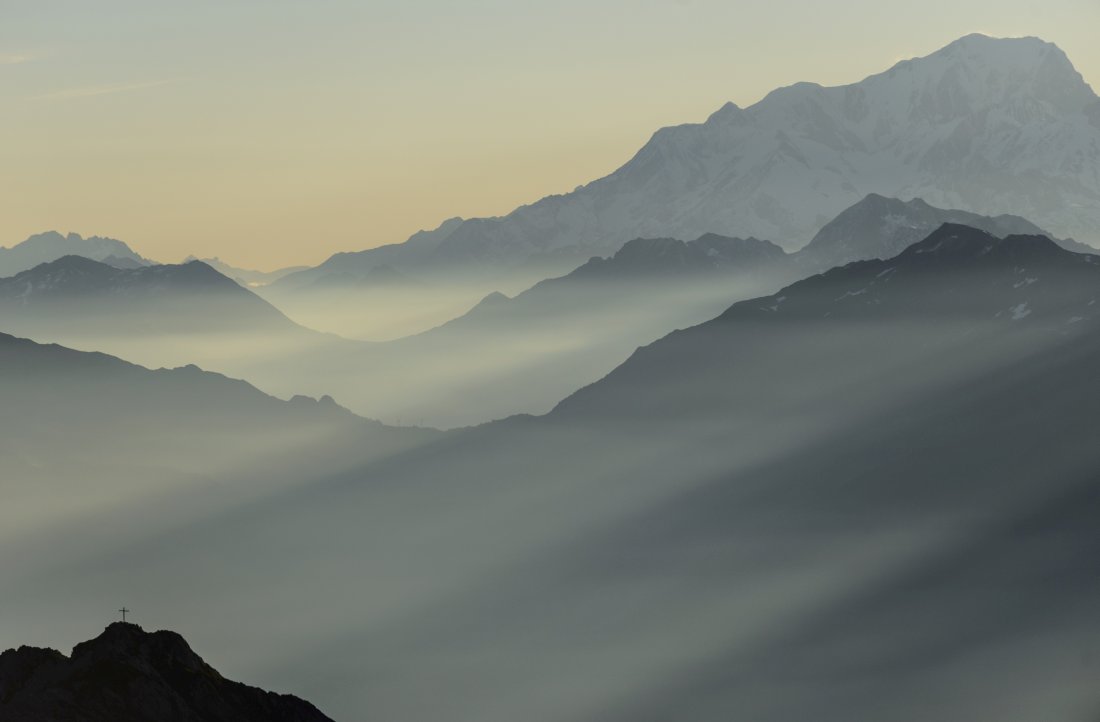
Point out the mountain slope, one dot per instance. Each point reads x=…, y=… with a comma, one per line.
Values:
x=987, y=125
x=953, y=286
x=50, y=246
x=54, y=393
x=644, y=266
x=128, y=674
x=879, y=227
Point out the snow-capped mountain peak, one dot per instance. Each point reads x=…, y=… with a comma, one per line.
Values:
x=986, y=125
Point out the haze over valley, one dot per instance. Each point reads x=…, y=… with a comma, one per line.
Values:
x=792, y=416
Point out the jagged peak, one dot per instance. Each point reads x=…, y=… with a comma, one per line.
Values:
x=137, y=675
x=125, y=640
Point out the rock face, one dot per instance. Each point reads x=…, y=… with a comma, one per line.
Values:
x=129, y=675
x=984, y=124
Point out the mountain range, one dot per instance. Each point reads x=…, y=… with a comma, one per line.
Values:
x=51, y=245
x=974, y=285
x=984, y=124
x=868, y=495
x=525, y=353
x=129, y=675
x=503, y=356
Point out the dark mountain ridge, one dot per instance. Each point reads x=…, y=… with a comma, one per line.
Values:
x=956, y=282
x=129, y=675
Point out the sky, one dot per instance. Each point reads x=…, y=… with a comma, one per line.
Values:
x=275, y=132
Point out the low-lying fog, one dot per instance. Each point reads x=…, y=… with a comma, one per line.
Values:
x=506, y=357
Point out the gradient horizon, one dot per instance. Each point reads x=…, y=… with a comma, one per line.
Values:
x=277, y=133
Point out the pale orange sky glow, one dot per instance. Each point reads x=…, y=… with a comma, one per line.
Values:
x=277, y=133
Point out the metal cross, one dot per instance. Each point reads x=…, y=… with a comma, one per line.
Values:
x=124, y=610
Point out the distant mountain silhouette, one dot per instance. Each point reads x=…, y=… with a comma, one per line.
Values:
x=129, y=675
x=50, y=246
x=880, y=227
x=244, y=276
x=47, y=379
x=984, y=124
x=86, y=295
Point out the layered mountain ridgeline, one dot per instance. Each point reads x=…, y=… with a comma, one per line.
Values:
x=880, y=227
x=983, y=124
x=869, y=496
x=77, y=295
x=50, y=246
x=129, y=675
x=523, y=354
x=504, y=356
x=958, y=284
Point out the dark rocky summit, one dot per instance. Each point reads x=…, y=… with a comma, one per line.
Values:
x=129, y=675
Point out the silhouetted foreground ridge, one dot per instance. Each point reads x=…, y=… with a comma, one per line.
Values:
x=129, y=675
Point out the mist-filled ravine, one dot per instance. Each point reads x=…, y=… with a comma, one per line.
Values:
x=793, y=416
